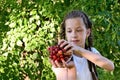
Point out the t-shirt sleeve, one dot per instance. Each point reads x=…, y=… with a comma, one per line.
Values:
x=94, y=50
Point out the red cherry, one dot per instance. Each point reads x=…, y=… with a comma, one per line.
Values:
x=61, y=56
x=54, y=57
x=61, y=59
x=53, y=52
x=58, y=59
x=56, y=53
x=60, y=52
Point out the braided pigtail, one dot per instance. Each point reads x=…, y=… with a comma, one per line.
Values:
x=62, y=30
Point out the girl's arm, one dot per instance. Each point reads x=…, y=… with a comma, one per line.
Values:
x=81, y=52
x=95, y=58
x=60, y=73
x=64, y=71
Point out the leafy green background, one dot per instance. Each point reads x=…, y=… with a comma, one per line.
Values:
x=28, y=27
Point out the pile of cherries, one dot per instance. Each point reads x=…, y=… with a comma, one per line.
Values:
x=57, y=53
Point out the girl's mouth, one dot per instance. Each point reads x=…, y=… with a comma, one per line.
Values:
x=75, y=41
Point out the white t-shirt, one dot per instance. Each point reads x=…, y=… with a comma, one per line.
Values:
x=82, y=67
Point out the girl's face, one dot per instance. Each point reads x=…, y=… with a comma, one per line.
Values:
x=76, y=31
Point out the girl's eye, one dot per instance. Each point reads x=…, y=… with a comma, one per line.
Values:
x=79, y=30
x=69, y=31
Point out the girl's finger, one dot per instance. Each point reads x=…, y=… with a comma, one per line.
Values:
x=70, y=64
x=59, y=65
x=53, y=63
x=68, y=47
x=69, y=52
x=60, y=41
x=65, y=43
x=64, y=63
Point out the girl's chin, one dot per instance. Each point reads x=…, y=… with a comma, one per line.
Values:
x=75, y=43
x=78, y=45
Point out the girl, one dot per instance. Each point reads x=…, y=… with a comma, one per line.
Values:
x=77, y=41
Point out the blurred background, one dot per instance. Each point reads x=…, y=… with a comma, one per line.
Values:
x=28, y=27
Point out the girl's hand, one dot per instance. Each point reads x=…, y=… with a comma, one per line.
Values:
x=66, y=46
x=64, y=73
x=56, y=64
x=68, y=51
x=71, y=48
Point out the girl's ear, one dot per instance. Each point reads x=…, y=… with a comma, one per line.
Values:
x=88, y=32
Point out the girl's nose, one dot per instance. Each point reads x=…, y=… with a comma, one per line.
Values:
x=74, y=35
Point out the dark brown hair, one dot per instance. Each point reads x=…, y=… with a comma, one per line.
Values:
x=74, y=14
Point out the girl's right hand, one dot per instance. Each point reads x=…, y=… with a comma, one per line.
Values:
x=64, y=71
x=56, y=64
x=66, y=46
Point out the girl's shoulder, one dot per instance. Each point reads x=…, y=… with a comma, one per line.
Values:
x=94, y=50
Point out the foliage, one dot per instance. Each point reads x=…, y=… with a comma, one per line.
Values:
x=28, y=27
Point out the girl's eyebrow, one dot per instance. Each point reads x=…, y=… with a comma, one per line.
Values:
x=68, y=28
x=76, y=27
x=79, y=27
